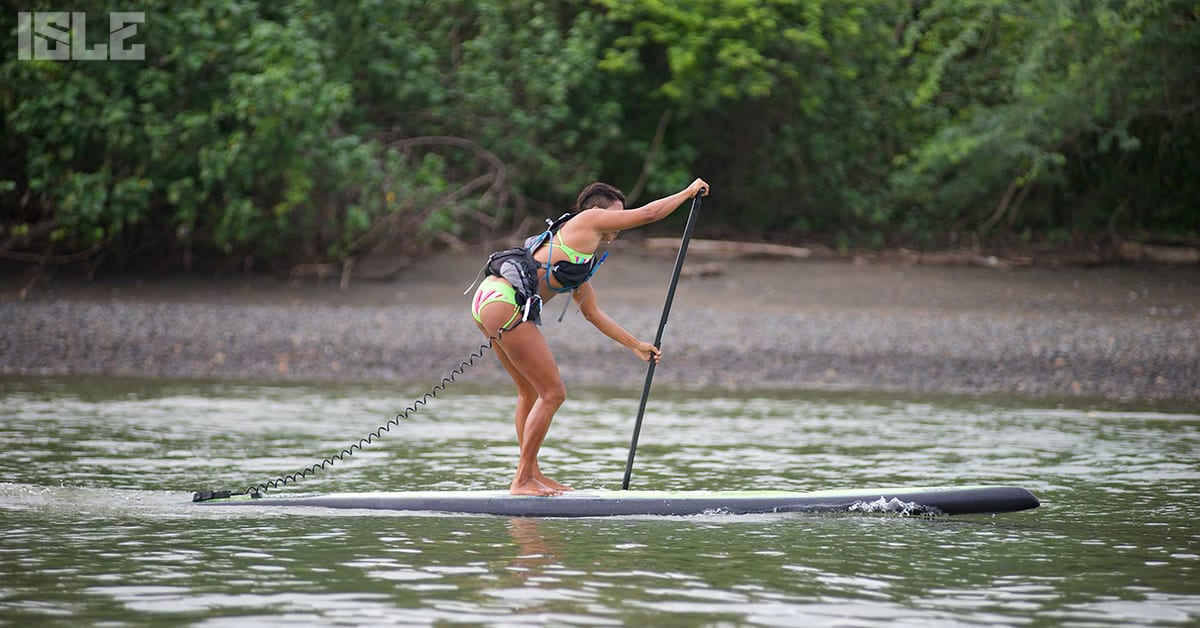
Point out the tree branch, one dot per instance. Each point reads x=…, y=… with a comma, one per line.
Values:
x=46, y=258
x=650, y=154
x=1001, y=208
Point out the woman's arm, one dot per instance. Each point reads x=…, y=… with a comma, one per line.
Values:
x=606, y=221
x=585, y=296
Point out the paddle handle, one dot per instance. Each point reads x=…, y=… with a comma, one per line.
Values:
x=662, y=325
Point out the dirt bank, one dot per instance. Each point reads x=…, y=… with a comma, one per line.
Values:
x=1114, y=332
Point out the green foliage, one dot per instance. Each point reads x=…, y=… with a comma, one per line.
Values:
x=311, y=130
x=1022, y=96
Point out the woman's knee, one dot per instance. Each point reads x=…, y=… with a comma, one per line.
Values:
x=554, y=394
x=526, y=394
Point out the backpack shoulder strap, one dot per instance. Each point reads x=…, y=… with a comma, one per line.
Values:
x=534, y=242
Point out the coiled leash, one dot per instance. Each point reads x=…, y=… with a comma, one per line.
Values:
x=257, y=490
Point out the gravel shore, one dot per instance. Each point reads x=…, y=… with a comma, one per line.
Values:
x=1116, y=333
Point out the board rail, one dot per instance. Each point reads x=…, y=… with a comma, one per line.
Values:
x=603, y=503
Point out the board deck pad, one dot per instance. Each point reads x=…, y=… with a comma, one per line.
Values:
x=947, y=500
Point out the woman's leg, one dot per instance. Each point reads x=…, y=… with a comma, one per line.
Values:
x=527, y=395
x=527, y=350
x=526, y=356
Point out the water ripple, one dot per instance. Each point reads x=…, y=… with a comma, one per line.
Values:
x=98, y=527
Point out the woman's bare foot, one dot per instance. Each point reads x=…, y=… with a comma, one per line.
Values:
x=532, y=487
x=558, y=486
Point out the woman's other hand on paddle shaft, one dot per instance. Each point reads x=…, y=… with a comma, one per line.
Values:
x=699, y=186
x=644, y=350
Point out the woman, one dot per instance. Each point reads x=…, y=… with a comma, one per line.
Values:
x=562, y=260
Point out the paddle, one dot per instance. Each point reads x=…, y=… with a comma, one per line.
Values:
x=662, y=324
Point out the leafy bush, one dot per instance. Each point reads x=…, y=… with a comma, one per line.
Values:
x=312, y=131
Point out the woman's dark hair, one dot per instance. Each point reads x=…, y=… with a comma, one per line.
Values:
x=598, y=195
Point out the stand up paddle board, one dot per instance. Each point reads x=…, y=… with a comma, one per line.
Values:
x=931, y=500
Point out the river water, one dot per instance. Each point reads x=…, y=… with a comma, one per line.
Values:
x=96, y=475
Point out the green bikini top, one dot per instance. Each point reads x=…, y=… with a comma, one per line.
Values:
x=573, y=256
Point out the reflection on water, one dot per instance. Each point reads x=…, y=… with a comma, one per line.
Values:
x=95, y=480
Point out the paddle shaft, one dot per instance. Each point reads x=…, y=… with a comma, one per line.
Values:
x=662, y=324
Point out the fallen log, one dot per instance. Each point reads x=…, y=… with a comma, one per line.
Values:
x=1159, y=254
x=731, y=248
